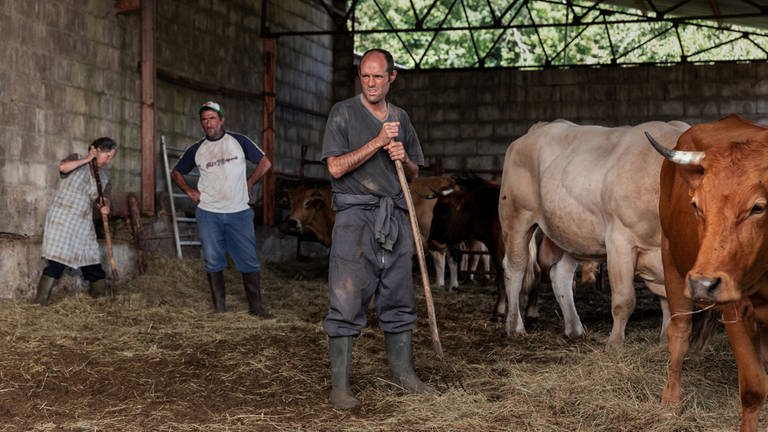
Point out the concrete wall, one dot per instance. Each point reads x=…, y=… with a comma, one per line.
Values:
x=64, y=80
x=69, y=72
x=468, y=118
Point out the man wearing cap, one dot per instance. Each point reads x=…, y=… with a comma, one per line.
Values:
x=224, y=218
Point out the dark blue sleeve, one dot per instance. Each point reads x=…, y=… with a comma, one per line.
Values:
x=187, y=161
x=252, y=152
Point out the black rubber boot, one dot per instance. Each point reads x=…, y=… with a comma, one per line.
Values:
x=340, y=349
x=44, y=288
x=400, y=358
x=216, y=281
x=98, y=288
x=252, y=284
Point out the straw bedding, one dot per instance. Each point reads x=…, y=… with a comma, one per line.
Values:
x=156, y=358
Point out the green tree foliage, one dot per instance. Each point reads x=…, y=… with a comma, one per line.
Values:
x=541, y=33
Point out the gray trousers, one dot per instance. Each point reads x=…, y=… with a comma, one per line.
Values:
x=360, y=268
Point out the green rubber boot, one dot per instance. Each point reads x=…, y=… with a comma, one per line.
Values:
x=44, y=288
x=98, y=288
x=252, y=284
x=400, y=358
x=216, y=282
x=341, y=361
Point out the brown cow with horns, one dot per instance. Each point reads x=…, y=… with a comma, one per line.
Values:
x=713, y=201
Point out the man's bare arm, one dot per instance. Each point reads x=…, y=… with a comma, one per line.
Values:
x=264, y=165
x=191, y=192
x=350, y=161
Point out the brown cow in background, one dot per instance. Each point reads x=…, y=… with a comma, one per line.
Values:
x=311, y=217
x=311, y=214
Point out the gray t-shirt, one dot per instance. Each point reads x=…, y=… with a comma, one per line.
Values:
x=349, y=126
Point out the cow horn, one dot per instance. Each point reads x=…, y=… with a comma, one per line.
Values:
x=424, y=196
x=442, y=192
x=677, y=156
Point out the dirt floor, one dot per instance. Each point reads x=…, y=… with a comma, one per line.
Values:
x=156, y=358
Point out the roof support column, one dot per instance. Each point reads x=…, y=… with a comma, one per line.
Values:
x=148, y=86
x=268, y=131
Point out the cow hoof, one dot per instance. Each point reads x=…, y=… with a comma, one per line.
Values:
x=497, y=317
x=531, y=321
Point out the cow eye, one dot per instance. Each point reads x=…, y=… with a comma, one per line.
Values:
x=696, y=209
x=758, y=208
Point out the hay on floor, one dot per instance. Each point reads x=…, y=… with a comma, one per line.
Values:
x=155, y=357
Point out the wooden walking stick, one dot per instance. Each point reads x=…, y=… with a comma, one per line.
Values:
x=105, y=220
x=436, y=345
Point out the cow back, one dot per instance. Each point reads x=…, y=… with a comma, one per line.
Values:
x=580, y=181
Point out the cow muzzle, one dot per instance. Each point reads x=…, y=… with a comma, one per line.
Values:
x=704, y=289
x=718, y=288
x=290, y=226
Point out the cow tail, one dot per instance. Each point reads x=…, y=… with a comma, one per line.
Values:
x=532, y=269
x=704, y=323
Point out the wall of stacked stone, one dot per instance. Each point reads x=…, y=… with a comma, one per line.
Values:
x=466, y=119
x=62, y=84
x=69, y=73
x=219, y=44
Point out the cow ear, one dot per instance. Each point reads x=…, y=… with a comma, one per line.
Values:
x=284, y=201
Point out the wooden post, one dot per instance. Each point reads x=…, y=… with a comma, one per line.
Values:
x=148, y=86
x=268, y=132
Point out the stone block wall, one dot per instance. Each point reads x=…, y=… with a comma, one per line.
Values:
x=63, y=82
x=69, y=73
x=466, y=119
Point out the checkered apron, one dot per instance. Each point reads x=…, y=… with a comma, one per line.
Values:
x=69, y=236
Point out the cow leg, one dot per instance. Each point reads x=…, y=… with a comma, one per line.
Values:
x=473, y=261
x=476, y=259
x=753, y=383
x=531, y=304
x=561, y=275
x=453, y=269
x=464, y=265
x=500, y=309
x=438, y=260
x=518, y=271
x=665, y=316
x=533, y=279
x=513, y=283
x=517, y=228
x=679, y=328
x=621, y=274
x=486, y=260
x=658, y=290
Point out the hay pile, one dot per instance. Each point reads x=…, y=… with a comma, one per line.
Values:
x=155, y=358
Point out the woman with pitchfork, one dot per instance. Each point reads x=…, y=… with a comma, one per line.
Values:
x=69, y=235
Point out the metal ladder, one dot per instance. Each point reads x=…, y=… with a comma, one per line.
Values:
x=173, y=193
